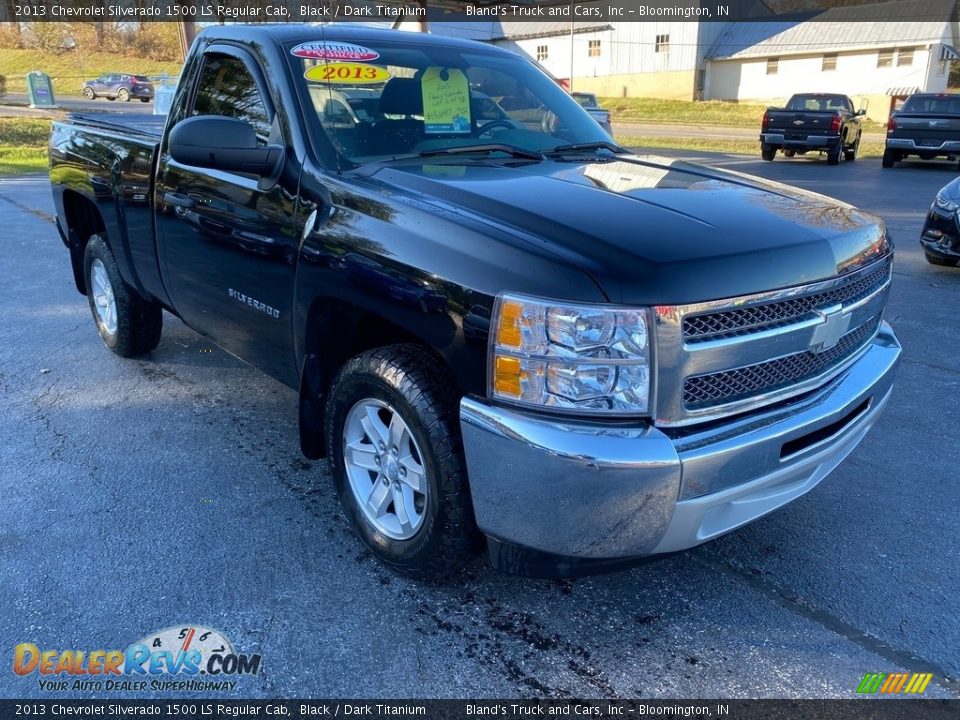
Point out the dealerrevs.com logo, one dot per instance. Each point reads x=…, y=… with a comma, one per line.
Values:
x=184, y=658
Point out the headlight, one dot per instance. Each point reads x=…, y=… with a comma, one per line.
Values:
x=945, y=203
x=587, y=358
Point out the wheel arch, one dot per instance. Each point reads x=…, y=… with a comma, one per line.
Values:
x=82, y=221
x=333, y=332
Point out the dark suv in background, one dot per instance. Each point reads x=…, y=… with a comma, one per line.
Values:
x=119, y=86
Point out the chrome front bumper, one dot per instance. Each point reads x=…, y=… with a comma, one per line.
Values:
x=592, y=492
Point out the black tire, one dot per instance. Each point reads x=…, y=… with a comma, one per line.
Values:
x=889, y=158
x=139, y=322
x=941, y=261
x=419, y=390
x=144, y=99
x=768, y=153
x=833, y=154
x=123, y=95
x=851, y=154
x=789, y=153
x=111, y=99
x=89, y=94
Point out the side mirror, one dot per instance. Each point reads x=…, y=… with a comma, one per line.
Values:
x=223, y=143
x=861, y=111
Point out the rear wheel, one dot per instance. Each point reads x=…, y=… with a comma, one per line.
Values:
x=123, y=95
x=789, y=153
x=942, y=261
x=833, y=154
x=768, y=153
x=128, y=324
x=144, y=99
x=88, y=93
x=851, y=153
x=889, y=158
x=397, y=460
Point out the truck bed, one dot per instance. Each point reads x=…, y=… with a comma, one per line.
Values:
x=148, y=127
x=107, y=158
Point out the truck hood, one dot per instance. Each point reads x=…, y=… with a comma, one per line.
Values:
x=653, y=230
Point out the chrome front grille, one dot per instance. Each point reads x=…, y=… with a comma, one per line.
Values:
x=725, y=357
x=732, y=385
x=742, y=321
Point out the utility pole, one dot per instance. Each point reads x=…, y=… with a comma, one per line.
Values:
x=188, y=33
x=570, y=83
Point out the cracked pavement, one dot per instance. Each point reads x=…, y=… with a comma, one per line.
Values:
x=144, y=494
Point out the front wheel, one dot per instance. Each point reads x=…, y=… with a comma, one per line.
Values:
x=397, y=460
x=789, y=153
x=938, y=260
x=129, y=325
x=88, y=93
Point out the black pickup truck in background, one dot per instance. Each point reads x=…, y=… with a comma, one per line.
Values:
x=818, y=122
x=927, y=125
x=500, y=329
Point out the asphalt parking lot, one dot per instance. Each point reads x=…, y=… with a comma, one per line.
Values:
x=168, y=491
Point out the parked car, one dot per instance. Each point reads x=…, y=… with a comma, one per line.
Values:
x=579, y=355
x=589, y=102
x=940, y=236
x=812, y=122
x=119, y=86
x=927, y=125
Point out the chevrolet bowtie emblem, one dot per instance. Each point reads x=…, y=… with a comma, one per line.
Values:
x=798, y=122
x=834, y=326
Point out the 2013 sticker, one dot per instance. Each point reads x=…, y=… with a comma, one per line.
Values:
x=323, y=50
x=347, y=73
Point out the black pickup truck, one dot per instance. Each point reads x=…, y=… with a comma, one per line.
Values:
x=927, y=126
x=500, y=330
x=818, y=122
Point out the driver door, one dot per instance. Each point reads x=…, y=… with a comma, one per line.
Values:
x=227, y=243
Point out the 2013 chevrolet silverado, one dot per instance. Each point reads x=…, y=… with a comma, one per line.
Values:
x=822, y=122
x=501, y=326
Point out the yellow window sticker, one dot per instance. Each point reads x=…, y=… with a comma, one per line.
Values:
x=446, y=101
x=347, y=73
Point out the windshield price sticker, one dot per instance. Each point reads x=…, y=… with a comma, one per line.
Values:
x=347, y=74
x=334, y=51
x=446, y=101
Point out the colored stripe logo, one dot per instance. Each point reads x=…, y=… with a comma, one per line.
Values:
x=894, y=683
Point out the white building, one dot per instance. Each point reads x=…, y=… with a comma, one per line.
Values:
x=875, y=62
x=623, y=59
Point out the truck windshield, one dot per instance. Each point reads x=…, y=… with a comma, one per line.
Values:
x=401, y=98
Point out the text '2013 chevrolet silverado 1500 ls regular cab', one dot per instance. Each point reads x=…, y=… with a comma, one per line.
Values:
x=501, y=329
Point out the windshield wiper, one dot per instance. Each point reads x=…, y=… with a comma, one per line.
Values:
x=583, y=147
x=485, y=149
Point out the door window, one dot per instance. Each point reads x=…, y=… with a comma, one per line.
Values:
x=227, y=88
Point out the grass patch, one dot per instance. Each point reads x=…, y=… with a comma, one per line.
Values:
x=23, y=145
x=688, y=112
x=722, y=145
x=70, y=69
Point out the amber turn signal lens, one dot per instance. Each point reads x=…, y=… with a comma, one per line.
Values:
x=508, y=329
x=507, y=376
